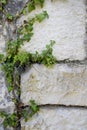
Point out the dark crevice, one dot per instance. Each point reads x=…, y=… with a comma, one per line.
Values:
x=68, y=61
x=58, y=106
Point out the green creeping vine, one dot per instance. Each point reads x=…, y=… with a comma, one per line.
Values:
x=16, y=59
x=32, y=6
x=2, y=4
x=46, y=57
x=12, y=49
x=7, y=15
x=12, y=120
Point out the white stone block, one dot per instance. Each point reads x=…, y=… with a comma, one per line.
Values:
x=61, y=84
x=66, y=25
x=57, y=119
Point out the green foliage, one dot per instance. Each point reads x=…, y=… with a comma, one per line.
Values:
x=15, y=59
x=32, y=6
x=14, y=56
x=9, y=119
x=8, y=69
x=9, y=17
x=33, y=108
x=13, y=46
x=46, y=57
x=2, y=3
x=1, y=58
x=2, y=114
x=25, y=114
x=21, y=58
x=26, y=31
x=40, y=17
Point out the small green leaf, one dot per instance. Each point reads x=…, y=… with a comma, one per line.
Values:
x=27, y=37
x=33, y=106
x=3, y=1
x=1, y=58
x=3, y=114
x=40, y=17
x=9, y=16
x=31, y=6
x=10, y=88
x=39, y=2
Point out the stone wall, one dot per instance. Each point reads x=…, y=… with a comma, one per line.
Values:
x=60, y=91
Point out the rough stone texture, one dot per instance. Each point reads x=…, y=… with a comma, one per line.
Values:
x=5, y=100
x=66, y=25
x=6, y=103
x=1, y=128
x=61, y=84
x=2, y=39
x=14, y=6
x=58, y=119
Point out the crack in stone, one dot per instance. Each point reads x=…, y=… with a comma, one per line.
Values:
x=68, y=61
x=59, y=105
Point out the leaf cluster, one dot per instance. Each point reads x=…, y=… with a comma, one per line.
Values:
x=32, y=109
x=2, y=3
x=15, y=59
x=9, y=119
x=9, y=17
x=32, y=6
x=13, y=56
x=26, y=30
x=45, y=57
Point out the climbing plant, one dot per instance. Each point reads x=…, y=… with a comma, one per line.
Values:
x=16, y=60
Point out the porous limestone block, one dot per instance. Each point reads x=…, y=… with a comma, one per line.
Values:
x=61, y=84
x=54, y=118
x=66, y=25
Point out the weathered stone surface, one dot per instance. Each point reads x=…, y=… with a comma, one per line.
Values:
x=58, y=119
x=14, y=6
x=1, y=128
x=61, y=84
x=66, y=25
x=2, y=39
x=5, y=99
x=6, y=103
